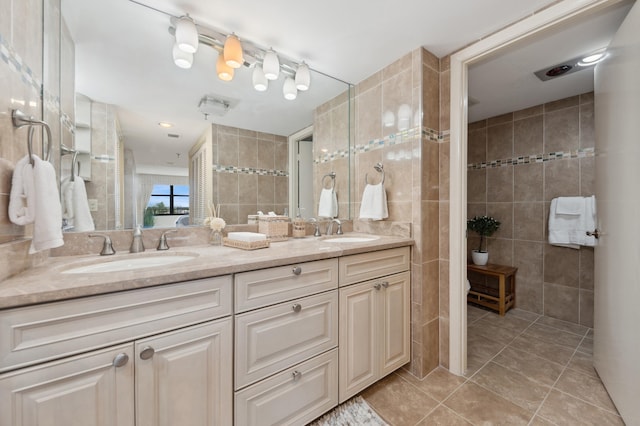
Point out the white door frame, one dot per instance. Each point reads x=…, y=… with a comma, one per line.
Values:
x=293, y=166
x=460, y=61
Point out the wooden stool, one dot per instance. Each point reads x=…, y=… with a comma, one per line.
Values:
x=501, y=299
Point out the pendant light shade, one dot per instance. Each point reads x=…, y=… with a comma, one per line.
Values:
x=271, y=65
x=224, y=71
x=289, y=89
x=303, y=77
x=186, y=34
x=181, y=58
x=233, y=51
x=260, y=82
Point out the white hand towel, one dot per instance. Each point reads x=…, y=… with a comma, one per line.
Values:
x=328, y=204
x=66, y=194
x=47, y=229
x=569, y=228
x=82, y=220
x=374, y=203
x=22, y=197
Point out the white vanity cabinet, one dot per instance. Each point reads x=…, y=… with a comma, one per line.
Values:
x=374, y=317
x=286, y=364
x=154, y=356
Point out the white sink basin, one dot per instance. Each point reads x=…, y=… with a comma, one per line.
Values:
x=349, y=239
x=128, y=264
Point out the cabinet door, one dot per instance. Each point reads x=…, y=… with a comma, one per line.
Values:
x=185, y=377
x=84, y=390
x=358, y=354
x=394, y=310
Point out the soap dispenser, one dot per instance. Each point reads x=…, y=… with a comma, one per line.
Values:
x=137, y=245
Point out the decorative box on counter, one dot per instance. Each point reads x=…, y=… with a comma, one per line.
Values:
x=276, y=228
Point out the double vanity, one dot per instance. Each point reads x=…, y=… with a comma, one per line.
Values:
x=204, y=335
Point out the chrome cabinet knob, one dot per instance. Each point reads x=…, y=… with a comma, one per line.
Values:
x=296, y=375
x=297, y=307
x=120, y=360
x=385, y=284
x=377, y=286
x=297, y=270
x=147, y=352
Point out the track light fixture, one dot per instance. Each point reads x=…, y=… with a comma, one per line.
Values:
x=234, y=55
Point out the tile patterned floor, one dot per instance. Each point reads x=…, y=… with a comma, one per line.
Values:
x=523, y=369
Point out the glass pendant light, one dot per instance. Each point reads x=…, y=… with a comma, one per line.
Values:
x=303, y=77
x=186, y=34
x=181, y=58
x=289, y=89
x=233, y=51
x=260, y=82
x=271, y=65
x=225, y=72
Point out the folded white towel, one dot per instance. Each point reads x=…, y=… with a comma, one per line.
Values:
x=374, y=203
x=328, y=204
x=570, y=229
x=35, y=197
x=22, y=203
x=570, y=205
x=82, y=219
x=246, y=236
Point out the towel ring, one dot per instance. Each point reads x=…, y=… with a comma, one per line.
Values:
x=65, y=151
x=331, y=175
x=379, y=168
x=20, y=119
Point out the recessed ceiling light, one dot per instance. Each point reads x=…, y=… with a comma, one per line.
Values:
x=591, y=59
x=165, y=124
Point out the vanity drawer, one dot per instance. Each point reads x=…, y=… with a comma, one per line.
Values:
x=274, y=338
x=255, y=289
x=366, y=266
x=38, y=333
x=294, y=397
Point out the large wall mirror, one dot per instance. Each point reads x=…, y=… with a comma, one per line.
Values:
x=225, y=143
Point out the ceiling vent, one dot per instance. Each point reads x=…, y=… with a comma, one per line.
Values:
x=210, y=105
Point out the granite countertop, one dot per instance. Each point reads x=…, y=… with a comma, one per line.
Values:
x=48, y=282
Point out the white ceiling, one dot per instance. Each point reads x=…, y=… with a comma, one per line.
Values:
x=123, y=57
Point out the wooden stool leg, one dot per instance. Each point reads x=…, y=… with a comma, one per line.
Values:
x=502, y=294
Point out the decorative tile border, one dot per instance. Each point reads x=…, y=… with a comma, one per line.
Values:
x=534, y=158
x=14, y=61
x=249, y=171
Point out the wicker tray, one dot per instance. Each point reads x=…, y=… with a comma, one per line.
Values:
x=246, y=245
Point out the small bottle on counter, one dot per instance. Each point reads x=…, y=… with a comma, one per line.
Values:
x=299, y=227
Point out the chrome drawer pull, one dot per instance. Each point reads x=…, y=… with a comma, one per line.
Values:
x=377, y=286
x=147, y=352
x=296, y=375
x=297, y=307
x=297, y=270
x=120, y=360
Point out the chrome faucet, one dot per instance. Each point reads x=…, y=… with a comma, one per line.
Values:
x=107, y=246
x=330, y=227
x=316, y=233
x=162, y=244
x=137, y=246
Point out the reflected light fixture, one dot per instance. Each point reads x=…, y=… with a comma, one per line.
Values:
x=186, y=34
x=289, y=89
x=165, y=124
x=388, y=119
x=232, y=51
x=260, y=82
x=271, y=65
x=404, y=117
x=181, y=58
x=224, y=71
x=303, y=77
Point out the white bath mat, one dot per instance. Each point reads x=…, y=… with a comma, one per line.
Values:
x=354, y=412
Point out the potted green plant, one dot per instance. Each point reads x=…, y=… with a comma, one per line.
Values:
x=484, y=226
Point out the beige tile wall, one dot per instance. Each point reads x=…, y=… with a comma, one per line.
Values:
x=413, y=171
x=553, y=281
x=21, y=76
x=244, y=193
